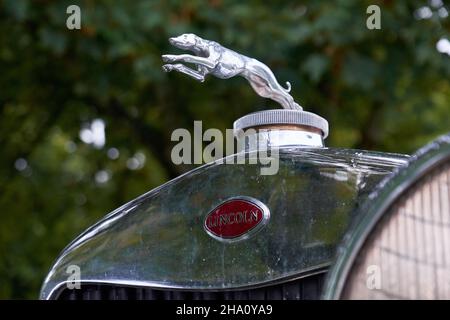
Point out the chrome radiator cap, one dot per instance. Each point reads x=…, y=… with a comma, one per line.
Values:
x=292, y=119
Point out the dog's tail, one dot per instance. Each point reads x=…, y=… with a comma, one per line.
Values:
x=288, y=84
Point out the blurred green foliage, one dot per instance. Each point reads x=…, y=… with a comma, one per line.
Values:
x=385, y=89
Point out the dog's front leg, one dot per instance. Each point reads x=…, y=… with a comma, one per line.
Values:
x=189, y=59
x=183, y=69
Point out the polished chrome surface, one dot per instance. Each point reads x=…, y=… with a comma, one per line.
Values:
x=385, y=199
x=158, y=240
x=212, y=58
x=266, y=139
x=282, y=117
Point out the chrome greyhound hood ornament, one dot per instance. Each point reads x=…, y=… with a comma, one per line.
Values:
x=212, y=58
x=291, y=123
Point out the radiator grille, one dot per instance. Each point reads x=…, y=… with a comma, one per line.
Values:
x=409, y=248
x=308, y=288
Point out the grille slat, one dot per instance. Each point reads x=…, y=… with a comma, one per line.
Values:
x=308, y=288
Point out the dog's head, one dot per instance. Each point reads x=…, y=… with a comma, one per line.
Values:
x=186, y=41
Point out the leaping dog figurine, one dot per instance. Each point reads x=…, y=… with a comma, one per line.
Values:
x=212, y=58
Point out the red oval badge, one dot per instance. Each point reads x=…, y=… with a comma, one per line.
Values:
x=236, y=219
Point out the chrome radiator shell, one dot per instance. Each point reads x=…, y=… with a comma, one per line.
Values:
x=158, y=240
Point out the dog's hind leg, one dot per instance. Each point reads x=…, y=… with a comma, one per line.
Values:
x=266, y=89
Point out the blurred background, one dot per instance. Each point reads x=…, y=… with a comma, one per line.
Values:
x=86, y=115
